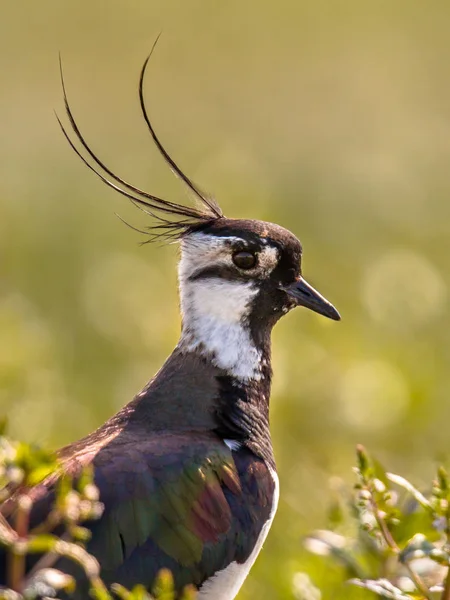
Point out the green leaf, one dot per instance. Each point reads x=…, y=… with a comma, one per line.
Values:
x=379, y=472
x=44, y=542
x=164, y=588
x=382, y=587
x=417, y=547
x=406, y=485
x=363, y=461
x=413, y=522
x=189, y=593
x=122, y=592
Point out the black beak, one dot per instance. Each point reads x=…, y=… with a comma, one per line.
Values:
x=305, y=295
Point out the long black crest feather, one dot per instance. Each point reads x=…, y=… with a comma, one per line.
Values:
x=180, y=219
x=204, y=199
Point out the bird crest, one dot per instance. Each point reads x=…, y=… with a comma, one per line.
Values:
x=172, y=220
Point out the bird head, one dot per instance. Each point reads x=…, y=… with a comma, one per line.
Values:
x=236, y=277
x=246, y=267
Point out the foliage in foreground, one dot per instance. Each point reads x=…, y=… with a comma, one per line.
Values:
x=21, y=467
x=391, y=538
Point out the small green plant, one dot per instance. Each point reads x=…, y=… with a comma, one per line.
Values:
x=22, y=467
x=391, y=538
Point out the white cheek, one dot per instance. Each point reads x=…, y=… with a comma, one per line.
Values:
x=200, y=251
x=268, y=260
x=227, y=301
x=215, y=311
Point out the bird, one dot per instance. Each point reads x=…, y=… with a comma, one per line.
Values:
x=186, y=471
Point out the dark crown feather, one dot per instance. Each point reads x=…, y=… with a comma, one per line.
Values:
x=173, y=220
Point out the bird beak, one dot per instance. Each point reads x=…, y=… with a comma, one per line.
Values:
x=305, y=295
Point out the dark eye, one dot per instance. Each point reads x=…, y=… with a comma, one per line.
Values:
x=244, y=260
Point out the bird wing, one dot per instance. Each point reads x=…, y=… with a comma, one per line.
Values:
x=184, y=502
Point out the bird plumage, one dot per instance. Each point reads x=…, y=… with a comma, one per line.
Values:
x=186, y=471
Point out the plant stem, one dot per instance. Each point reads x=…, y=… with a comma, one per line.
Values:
x=17, y=555
x=446, y=592
x=388, y=538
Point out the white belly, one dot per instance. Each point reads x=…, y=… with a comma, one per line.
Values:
x=225, y=584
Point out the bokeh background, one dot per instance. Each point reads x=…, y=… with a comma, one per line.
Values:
x=330, y=118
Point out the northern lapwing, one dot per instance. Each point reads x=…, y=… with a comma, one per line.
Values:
x=186, y=470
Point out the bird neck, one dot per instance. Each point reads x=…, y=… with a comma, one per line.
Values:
x=189, y=393
x=242, y=410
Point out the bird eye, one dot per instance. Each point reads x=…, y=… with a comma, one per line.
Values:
x=244, y=260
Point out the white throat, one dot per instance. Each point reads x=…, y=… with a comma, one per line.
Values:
x=215, y=314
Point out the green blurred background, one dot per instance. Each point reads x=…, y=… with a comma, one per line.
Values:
x=330, y=118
